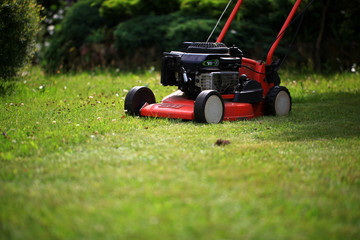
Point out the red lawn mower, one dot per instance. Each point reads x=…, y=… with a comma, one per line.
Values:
x=215, y=83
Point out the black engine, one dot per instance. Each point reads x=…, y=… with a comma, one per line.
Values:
x=202, y=66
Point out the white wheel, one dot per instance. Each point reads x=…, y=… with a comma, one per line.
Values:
x=278, y=101
x=213, y=109
x=209, y=107
x=282, y=103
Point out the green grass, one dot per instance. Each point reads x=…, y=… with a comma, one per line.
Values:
x=73, y=166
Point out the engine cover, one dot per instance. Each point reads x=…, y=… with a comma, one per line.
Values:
x=202, y=66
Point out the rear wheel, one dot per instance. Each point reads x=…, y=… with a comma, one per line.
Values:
x=278, y=101
x=136, y=99
x=209, y=107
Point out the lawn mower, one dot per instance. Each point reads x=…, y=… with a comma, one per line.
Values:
x=216, y=83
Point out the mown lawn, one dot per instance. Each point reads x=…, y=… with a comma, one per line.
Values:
x=73, y=166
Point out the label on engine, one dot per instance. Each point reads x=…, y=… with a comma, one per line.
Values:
x=211, y=63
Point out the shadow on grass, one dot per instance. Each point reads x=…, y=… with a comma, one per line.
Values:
x=326, y=116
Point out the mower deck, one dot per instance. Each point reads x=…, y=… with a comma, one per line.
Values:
x=177, y=106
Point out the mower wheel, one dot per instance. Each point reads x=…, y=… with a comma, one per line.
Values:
x=278, y=101
x=209, y=107
x=136, y=99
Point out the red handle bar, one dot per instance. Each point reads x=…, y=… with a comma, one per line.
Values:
x=279, y=36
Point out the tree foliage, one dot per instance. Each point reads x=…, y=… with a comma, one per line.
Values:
x=114, y=11
x=209, y=8
x=19, y=24
x=328, y=38
x=80, y=26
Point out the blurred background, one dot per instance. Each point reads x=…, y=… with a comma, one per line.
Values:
x=132, y=34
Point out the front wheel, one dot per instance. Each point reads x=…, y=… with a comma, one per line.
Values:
x=209, y=107
x=136, y=99
x=278, y=101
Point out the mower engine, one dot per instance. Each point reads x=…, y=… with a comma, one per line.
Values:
x=202, y=66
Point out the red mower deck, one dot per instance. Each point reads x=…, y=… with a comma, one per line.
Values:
x=179, y=107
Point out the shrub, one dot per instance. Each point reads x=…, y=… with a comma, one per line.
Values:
x=82, y=24
x=143, y=31
x=19, y=24
x=84, y=38
x=116, y=11
x=158, y=7
x=167, y=32
x=141, y=40
x=152, y=35
x=209, y=8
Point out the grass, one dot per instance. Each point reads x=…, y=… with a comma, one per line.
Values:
x=73, y=166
